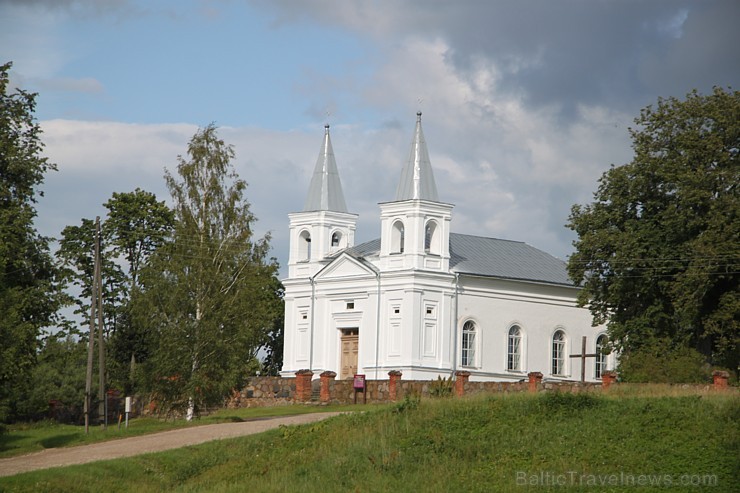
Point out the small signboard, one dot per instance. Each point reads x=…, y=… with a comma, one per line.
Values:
x=359, y=382
x=359, y=385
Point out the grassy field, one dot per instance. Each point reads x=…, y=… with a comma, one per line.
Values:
x=545, y=442
x=26, y=438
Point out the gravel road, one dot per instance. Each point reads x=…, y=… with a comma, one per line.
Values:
x=156, y=442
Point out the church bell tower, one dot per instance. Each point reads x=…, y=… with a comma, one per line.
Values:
x=324, y=226
x=415, y=227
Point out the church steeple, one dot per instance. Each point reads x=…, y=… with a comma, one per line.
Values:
x=325, y=191
x=324, y=226
x=417, y=179
x=415, y=228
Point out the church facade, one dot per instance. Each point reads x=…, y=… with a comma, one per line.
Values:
x=421, y=299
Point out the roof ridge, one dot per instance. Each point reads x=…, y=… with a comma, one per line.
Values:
x=492, y=238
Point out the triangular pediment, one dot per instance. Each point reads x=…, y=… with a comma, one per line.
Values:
x=345, y=267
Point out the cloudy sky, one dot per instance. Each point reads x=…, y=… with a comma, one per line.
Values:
x=525, y=102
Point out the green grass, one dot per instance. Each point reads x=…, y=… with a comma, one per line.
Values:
x=27, y=438
x=476, y=444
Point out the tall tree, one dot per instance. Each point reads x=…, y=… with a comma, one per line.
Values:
x=209, y=295
x=137, y=224
x=658, y=251
x=75, y=255
x=28, y=296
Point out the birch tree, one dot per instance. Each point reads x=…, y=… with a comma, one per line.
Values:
x=209, y=294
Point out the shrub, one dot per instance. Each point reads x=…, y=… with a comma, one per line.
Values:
x=660, y=362
x=442, y=387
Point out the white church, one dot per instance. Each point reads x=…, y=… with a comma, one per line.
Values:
x=421, y=299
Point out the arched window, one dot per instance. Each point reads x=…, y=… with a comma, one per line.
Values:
x=304, y=246
x=397, y=237
x=431, y=238
x=336, y=239
x=558, y=353
x=600, y=355
x=468, y=344
x=514, y=352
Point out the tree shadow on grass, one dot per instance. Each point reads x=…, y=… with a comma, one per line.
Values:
x=59, y=440
x=7, y=441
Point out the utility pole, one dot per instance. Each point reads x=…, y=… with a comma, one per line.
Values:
x=91, y=337
x=102, y=394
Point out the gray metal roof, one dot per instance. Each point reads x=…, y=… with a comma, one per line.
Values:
x=417, y=179
x=367, y=249
x=325, y=190
x=505, y=259
x=492, y=257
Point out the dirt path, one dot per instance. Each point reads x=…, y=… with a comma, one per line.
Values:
x=156, y=442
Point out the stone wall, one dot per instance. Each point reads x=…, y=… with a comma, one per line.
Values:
x=264, y=392
x=304, y=389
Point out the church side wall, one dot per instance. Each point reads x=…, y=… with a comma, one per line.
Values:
x=539, y=311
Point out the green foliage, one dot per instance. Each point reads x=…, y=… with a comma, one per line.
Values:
x=409, y=403
x=657, y=251
x=566, y=402
x=137, y=224
x=273, y=361
x=59, y=377
x=663, y=362
x=76, y=257
x=29, y=296
x=441, y=387
x=209, y=297
x=475, y=445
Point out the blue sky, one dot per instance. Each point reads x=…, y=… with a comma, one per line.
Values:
x=525, y=103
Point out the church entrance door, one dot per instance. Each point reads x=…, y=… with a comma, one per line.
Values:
x=350, y=343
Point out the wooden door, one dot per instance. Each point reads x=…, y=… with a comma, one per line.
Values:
x=350, y=343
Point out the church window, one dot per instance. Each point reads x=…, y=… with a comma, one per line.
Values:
x=558, y=353
x=304, y=246
x=397, y=237
x=514, y=353
x=431, y=238
x=350, y=305
x=600, y=355
x=468, y=343
x=396, y=310
x=336, y=238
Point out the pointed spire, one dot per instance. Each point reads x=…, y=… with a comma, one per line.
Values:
x=325, y=191
x=417, y=179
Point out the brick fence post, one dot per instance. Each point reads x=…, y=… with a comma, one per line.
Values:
x=395, y=377
x=326, y=379
x=720, y=379
x=608, y=378
x=460, y=381
x=535, y=378
x=303, y=385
